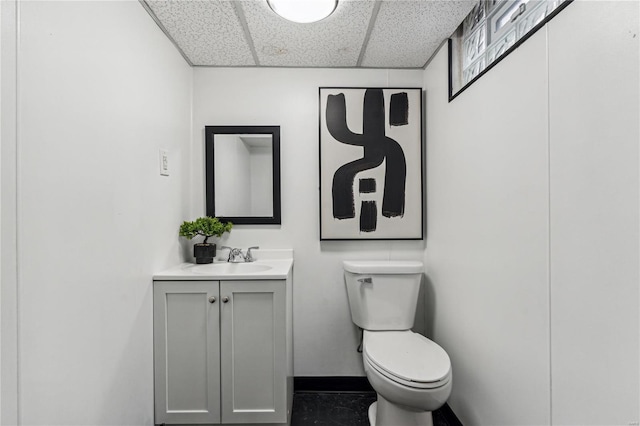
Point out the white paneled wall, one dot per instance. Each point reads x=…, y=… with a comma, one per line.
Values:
x=532, y=219
x=8, y=259
x=487, y=242
x=594, y=139
x=100, y=91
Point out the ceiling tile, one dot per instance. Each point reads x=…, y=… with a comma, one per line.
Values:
x=335, y=41
x=208, y=32
x=407, y=33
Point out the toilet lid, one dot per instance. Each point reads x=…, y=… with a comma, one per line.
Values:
x=407, y=355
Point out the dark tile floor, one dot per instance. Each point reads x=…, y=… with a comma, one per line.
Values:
x=346, y=409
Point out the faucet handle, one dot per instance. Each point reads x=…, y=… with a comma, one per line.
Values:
x=231, y=249
x=249, y=256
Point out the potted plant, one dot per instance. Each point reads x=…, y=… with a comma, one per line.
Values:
x=204, y=252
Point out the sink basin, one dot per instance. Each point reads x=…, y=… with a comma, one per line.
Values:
x=229, y=268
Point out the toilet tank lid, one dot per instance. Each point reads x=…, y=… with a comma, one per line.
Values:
x=383, y=266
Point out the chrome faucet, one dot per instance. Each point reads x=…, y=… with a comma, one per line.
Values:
x=249, y=256
x=236, y=255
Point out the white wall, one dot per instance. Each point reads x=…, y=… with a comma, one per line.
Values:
x=261, y=189
x=234, y=187
x=532, y=219
x=325, y=338
x=8, y=278
x=101, y=89
x=487, y=237
x=594, y=122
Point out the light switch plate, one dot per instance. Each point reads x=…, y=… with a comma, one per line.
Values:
x=164, y=162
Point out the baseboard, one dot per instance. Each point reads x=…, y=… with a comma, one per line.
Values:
x=449, y=416
x=331, y=384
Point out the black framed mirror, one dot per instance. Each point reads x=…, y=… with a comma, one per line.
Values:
x=243, y=174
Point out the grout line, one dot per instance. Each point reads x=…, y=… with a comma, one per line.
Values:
x=372, y=23
x=245, y=29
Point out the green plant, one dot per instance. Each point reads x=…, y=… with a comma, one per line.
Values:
x=206, y=227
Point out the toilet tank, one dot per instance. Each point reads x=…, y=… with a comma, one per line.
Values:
x=383, y=295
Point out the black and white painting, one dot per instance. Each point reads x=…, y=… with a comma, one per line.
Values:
x=370, y=163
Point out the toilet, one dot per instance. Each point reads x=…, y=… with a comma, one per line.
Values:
x=410, y=373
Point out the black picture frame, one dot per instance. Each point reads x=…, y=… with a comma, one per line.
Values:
x=274, y=132
x=368, y=216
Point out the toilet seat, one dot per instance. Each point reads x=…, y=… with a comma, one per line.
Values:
x=407, y=358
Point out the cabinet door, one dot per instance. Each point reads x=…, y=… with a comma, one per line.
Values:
x=253, y=357
x=186, y=340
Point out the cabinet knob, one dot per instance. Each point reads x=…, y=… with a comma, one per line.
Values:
x=212, y=299
x=225, y=299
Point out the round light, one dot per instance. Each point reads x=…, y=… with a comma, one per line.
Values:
x=303, y=11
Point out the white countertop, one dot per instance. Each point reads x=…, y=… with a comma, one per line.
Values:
x=269, y=265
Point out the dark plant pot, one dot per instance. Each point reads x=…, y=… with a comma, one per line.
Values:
x=204, y=253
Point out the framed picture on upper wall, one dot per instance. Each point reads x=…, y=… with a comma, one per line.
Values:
x=371, y=165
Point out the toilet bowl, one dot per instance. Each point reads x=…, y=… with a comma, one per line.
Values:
x=411, y=375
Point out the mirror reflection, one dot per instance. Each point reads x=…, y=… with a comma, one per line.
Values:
x=243, y=173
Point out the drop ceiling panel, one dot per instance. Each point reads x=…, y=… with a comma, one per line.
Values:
x=407, y=33
x=378, y=33
x=333, y=42
x=207, y=32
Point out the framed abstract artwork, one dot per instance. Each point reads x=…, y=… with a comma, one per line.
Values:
x=371, y=164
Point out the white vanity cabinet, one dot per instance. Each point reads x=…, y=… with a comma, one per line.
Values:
x=222, y=351
x=186, y=351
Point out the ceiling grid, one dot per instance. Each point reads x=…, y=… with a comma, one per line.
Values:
x=245, y=28
x=359, y=34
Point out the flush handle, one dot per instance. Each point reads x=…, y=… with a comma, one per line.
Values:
x=365, y=280
x=212, y=299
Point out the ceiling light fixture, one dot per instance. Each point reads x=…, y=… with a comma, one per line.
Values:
x=303, y=11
